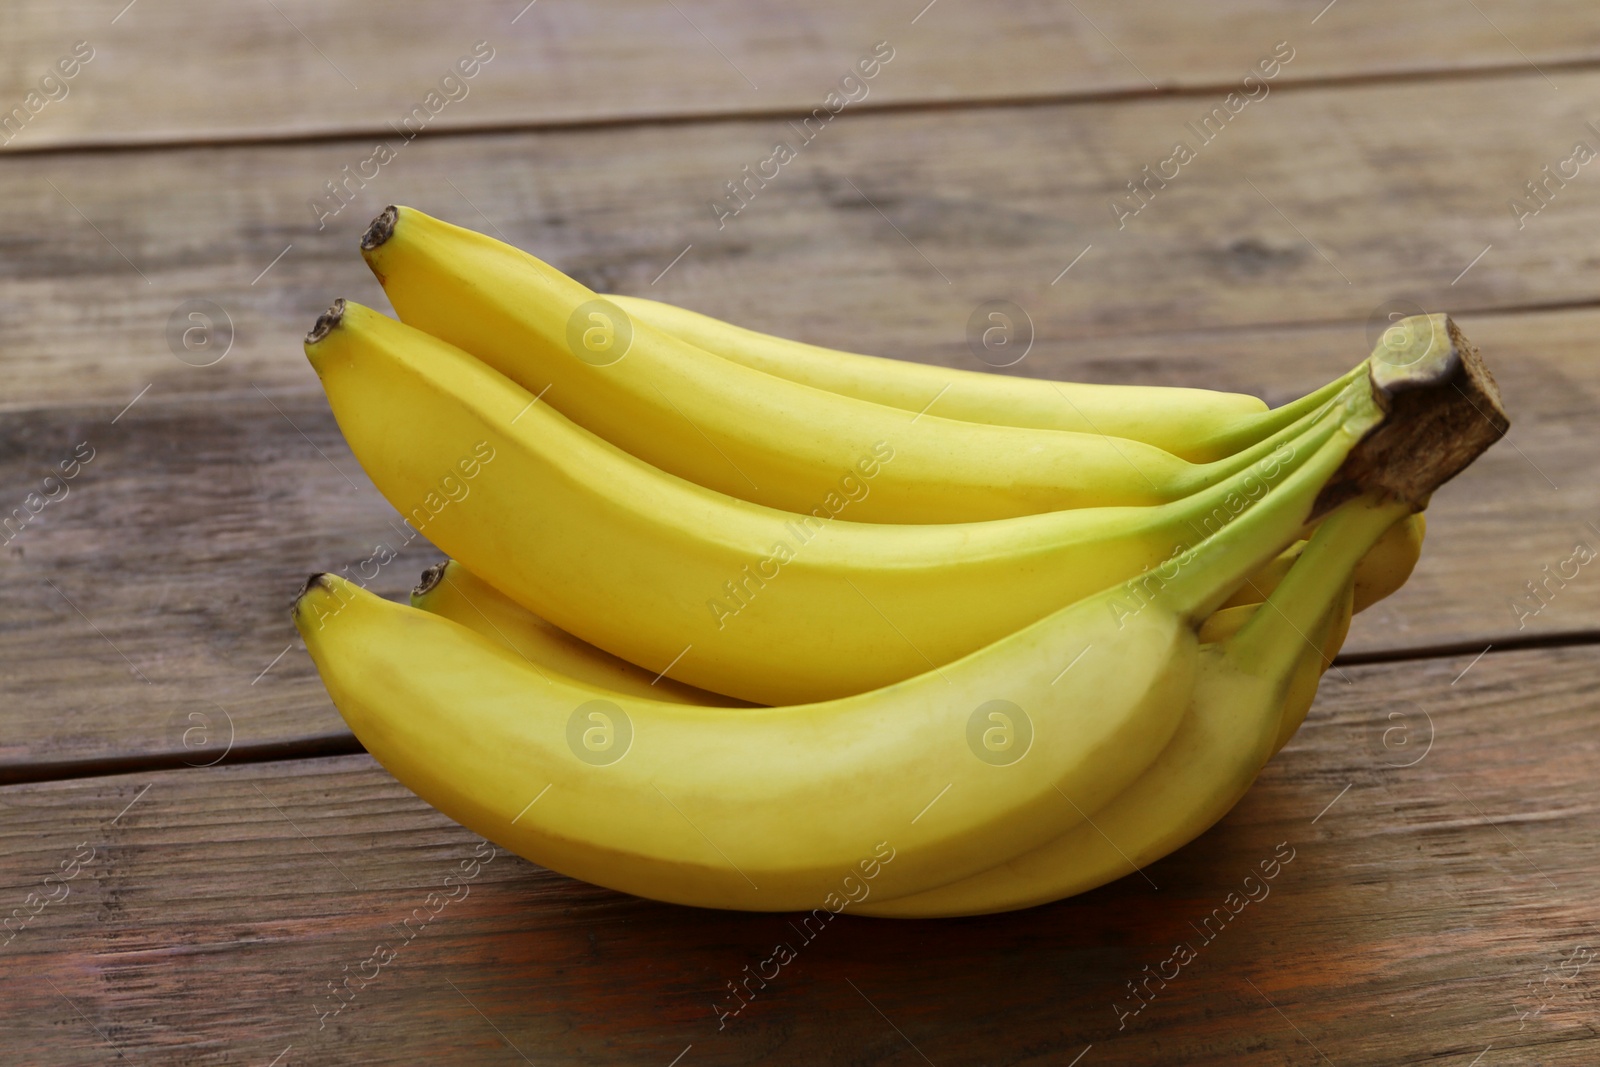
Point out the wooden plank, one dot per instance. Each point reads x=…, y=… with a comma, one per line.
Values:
x=1276, y=224
x=205, y=504
x=149, y=609
x=158, y=582
x=1438, y=904
x=306, y=67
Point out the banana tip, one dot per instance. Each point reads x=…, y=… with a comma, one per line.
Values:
x=430, y=579
x=381, y=229
x=320, y=579
x=326, y=322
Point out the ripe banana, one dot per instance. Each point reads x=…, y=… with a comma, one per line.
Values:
x=767, y=809
x=1230, y=731
x=717, y=592
x=1199, y=425
x=451, y=591
x=746, y=433
x=548, y=649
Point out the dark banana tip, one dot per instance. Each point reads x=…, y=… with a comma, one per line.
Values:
x=326, y=322
x=382, y=228
x=320, y=578
x=430, y=579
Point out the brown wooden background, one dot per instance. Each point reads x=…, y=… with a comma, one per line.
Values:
x=1439, y=912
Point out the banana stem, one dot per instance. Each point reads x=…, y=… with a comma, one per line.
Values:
x=1196, y=516
x=1253, y=428
x=1307, y=413
x=1415, y=419
x=1270, y=644
x=1207, y=574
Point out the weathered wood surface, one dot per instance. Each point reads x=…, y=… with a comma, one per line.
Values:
x=148, y=608
x=1430, y=912
x=187, y=71
x=1441, y=912
x=205, y=503
x=1275, y=222
x=159, y=584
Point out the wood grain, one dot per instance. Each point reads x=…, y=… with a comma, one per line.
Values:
x=1443, y=812
x=149, y=604
x=207, y=504
x=157, y=587
x=1276, y=223
x=1421, y=918
x=184, y=71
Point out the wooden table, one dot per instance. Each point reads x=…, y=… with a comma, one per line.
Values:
x=223, y=852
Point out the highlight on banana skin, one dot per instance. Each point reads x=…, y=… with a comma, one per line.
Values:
x=735, y=621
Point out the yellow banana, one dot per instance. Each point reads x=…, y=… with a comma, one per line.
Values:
x=1390, y=563
x=746, y=433
x=450, y=590
x=1229, y=732
x=717, y=592
x=770, y=808
x=1199, y=425
x=455, y=593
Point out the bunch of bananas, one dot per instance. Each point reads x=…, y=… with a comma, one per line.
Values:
x=730, y=619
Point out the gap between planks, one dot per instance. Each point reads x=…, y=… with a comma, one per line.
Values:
x=345, y=744
x=1241, y=329
x=1075, y=98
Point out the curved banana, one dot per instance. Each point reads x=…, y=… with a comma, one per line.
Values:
x=451, y=591
x=769, y=808
x=1199, y=425
x=484, y=610
x=1228, y=734
x=743, y=432
x=717, y=592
